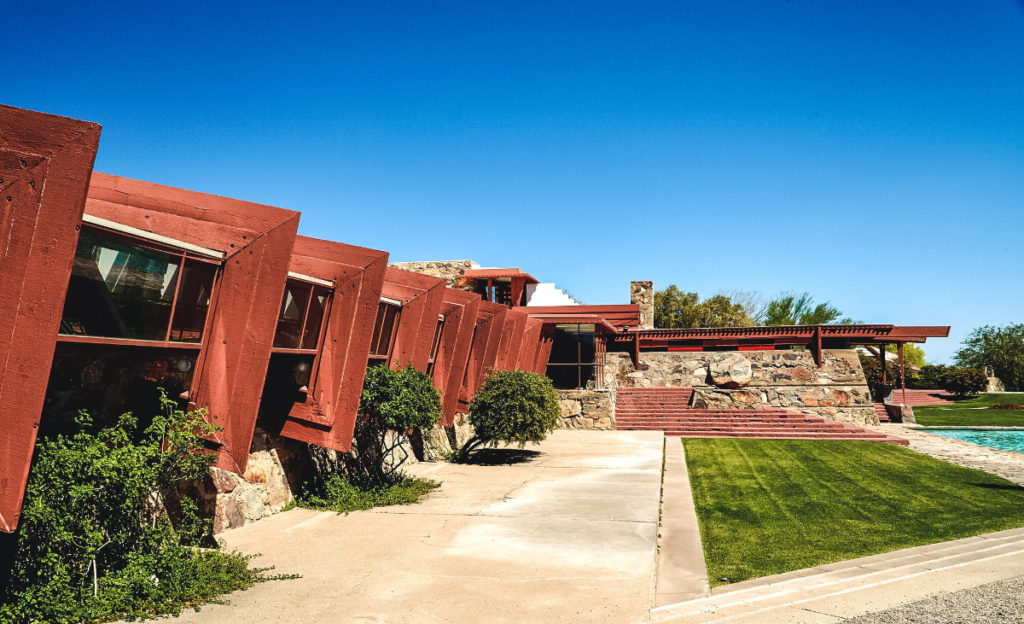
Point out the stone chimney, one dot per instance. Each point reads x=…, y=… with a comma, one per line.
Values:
x=642, y=294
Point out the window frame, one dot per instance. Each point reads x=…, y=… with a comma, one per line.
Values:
x=376, y=358
x=305, y=318
x=578, y=364
x=183, y=255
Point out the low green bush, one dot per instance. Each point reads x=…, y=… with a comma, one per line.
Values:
x=94, y=544
x=964, y=382
x=393, y=403
x=512, y=407
x=338, y=494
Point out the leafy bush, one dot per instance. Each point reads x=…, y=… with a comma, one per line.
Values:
x=512, y=407
x=393, y=403
x=964, y=381
x=338, y=494
x=873, y=373
x=93, y=542
x=1000, y=348
x=929, y=377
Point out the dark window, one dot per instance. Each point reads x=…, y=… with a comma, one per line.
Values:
x=384, y=330
x=122, y=287
x=434, y=345
x=303, y=309
x=571, y=364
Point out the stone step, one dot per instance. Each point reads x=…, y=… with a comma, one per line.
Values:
x=842, y=437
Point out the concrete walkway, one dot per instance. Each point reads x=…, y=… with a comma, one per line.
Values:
x=570, y=536
x=834, y=592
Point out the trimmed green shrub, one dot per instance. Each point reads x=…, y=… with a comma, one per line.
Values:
x=512, y=407
x=94, y=544
x=964, y=382
x=393, y=403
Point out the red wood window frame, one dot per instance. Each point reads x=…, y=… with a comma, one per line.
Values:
x=185, y=262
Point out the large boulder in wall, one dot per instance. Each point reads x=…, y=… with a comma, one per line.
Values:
x=731, y=371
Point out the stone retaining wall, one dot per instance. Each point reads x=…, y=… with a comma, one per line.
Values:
x=448, y=270
x=754, y=379
x=587, y=409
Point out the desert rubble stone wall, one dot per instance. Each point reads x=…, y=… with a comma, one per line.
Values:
x=755, y=379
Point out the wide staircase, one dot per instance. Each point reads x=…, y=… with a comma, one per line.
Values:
x=669, y=410
x=917, y=398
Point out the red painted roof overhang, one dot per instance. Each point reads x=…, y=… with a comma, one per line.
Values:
x=496, y=273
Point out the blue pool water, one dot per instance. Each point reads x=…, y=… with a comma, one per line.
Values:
x=1003, y=439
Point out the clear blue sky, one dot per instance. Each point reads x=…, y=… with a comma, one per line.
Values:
x=871, y=153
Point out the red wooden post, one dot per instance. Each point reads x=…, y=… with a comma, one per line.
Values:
x=881, y=356
x=39, y=230
x=903, y=372
x=817, y=345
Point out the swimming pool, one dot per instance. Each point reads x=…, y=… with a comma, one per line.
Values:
x=1003, y=439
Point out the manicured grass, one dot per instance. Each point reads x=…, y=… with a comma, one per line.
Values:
x=965, y=413
x=770, y=506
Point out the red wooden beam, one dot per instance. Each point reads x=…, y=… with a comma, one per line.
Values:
x=327, y=417
x=415, y=331
x=460, y=313
x=45, y=164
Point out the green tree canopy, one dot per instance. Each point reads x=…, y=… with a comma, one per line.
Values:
x=674, y=308
x=913, y=354
x=1000, y=348
x=788, y=309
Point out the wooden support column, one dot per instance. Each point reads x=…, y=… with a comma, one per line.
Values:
x=903, y=372
x=817, y=346
x=881, y=357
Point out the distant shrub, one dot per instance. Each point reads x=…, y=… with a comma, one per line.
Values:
x=512, y=407
x=964, y=382
x=928, y=378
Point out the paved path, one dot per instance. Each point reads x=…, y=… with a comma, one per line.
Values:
x=682, y=574
x=835, y=592
x=570, y=536
x=1006, y=464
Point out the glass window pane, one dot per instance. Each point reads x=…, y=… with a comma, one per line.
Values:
x=315, y=318
x=585, y=337
x=193, y=301
x=119, y=288
x=437, y=339
x=565, y=377
x=565, y=348
x=293, y=310
x=383, y=328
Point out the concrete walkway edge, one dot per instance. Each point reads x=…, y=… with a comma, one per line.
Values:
x=682, y=573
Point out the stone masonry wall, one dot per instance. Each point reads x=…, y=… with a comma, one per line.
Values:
x=754, y=379
x=587, y=409
x=642, y=294
x=448, y=270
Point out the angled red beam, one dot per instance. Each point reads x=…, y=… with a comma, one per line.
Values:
x=511, y=339
x=256, y=243
x=45, y=164
x=547, y=340
x=421, y=304
x=484, y=349
x=527, y=359
x=327, y=417
x=460, y=312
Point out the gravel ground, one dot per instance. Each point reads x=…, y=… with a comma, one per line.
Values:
x=1001, y=602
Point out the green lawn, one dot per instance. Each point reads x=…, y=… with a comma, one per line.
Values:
x=965, y=413
x=770, y=506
